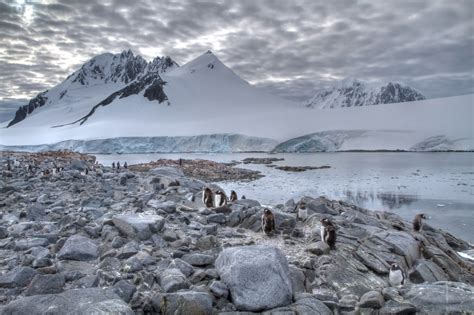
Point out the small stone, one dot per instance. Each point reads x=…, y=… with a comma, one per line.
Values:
x=319, y=248
x=198, y=259
x=219, y=289
x=46, y=284
x=125, y=290
x=172, y=280
x=80, y=248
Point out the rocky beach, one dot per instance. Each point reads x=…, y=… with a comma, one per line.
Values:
x=89, y=239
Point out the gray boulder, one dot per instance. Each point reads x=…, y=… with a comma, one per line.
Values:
x=183, y=303
x=442, y=297
x=30, y=242
x=427, y=271
x=138, y=225
x=372, y=299
x=198, y=259
x=125, y=290
x=258, y=277
x=46, y=284
x=18, y=277
x=172, y=280
x=80, y=248
x=79, y=301
x=219, y=289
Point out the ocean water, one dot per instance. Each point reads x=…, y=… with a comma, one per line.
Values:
x=440, y=185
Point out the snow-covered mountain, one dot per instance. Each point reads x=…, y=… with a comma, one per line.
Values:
x=351, y=92
x=122, y=103
x=96, y=80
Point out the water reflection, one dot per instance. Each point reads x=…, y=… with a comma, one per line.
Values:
x=386, y=199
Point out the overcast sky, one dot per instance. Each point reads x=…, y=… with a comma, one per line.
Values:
x=292, y=48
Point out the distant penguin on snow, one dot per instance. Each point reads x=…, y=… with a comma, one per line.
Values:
x=418, y=222
x=396, y=276
x=268, y=222
x=233, y=196
x=220, y=199
x=328, y=233
x=113, y=165
x=208, y=197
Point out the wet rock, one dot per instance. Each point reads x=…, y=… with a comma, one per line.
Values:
x=172, y=280
x=138, y=225
x=46, y=284
x=78, y=301
x=258, y=277
x=18, y=277
x=183, y=303
x=80, y=248
x=372, y=299
x=27, y=243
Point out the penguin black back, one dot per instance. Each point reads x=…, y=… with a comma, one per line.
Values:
x=233, y=196
x=268, y=222
x=208, y=197
x=418, y=222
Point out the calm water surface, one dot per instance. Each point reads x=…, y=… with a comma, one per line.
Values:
x=438, y=184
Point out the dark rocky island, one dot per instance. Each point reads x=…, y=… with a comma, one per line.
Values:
x=140, y=241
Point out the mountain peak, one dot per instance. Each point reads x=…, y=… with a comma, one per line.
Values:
x=352, y=92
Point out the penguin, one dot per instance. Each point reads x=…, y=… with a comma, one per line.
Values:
x=396, y=276
x=268, y=222
x=243, y=197
x=118, y=165
x=113, y=165
x=30, y=168
x=302, y=213
x=418, y=222
x=9, y=167
x=328, y=233
x=87, y=171
x=233, y=196
x=208, y=197
x=125, y=165
x=220, y=199
x=16, y=163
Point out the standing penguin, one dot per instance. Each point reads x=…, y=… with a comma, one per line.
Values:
x=220, y=199
x=125, y=165
x=268, y=222
x=208, y=197
x=418, y=222
x=302, y=212
x=9, y=167
x=328, y=233
x=113, y=165
x=233, y=196
x=118, y=165
x=396, y=277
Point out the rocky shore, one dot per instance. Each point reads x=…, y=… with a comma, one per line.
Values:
x=140, y=241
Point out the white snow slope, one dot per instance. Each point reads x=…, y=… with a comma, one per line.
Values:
x=205, y=98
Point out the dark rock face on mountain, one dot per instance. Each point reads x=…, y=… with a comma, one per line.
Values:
x=352, y=92
x=23, y=111
x=128, y=241
x=125, y=72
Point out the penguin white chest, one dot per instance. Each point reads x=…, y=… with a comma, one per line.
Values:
x=217, y=200
x=323, y=232
x=396, y=277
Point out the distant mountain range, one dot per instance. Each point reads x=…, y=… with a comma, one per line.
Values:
x=352, y=92
x=124, y=103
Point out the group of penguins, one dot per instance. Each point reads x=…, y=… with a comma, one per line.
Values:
x=117, y=166
x=31, y=169
x=218, y=198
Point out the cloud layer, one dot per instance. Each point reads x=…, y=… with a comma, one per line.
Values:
x=290, y=48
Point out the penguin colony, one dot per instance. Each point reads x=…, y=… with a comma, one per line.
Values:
x=218, y=198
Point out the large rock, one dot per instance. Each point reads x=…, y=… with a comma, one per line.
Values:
x=139, y=225
x=402, y=243
x=372, y=299
x=183, y=303
x=80, y=248
x=172, y=280
x=46, y=284
x=258, y=277
x=18, y=277
x=198, y=259
x=442, y=297
x=305, y=305
x=427, y=271
x=79, y=301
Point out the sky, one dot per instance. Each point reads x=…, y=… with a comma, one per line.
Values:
x=289, y=48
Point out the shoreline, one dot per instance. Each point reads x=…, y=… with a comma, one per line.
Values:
x=144, y=238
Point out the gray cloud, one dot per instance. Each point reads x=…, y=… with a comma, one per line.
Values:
x=290, y=48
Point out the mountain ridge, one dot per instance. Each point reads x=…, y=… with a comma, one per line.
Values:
x=352, y=92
